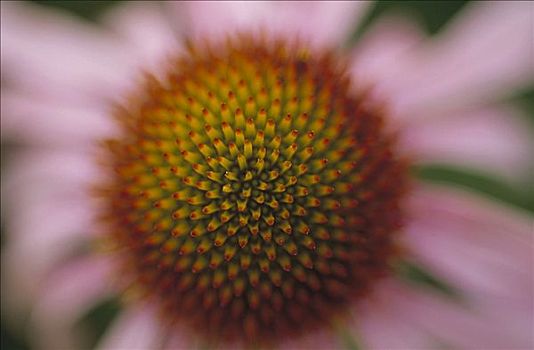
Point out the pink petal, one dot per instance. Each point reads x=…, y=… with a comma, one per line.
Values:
x=138, y=327
x=383, y=52
x=149, y=31
x=497, y=139
x=324, y=23
x=47, y=122
x=177, y=340
x=399, y=316
x=483, y=249
x=466, y=326
x=48, y=213
x=480, y=246
x=318, y=339
x=65, y=296
x=57, y=56
x=472, y=61
x=380, y=324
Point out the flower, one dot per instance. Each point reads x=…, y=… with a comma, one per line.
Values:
x=439, y=93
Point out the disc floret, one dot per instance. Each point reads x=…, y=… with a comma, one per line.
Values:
x=255, y=194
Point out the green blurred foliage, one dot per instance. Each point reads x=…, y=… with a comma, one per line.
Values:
x=524, y=98
x=89, y=10
x=417, y=275
x=12, y=341
x=348, y=340
x=479, y=182
x=431, y=15
x=96, y=320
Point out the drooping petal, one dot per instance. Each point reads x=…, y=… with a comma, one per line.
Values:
x=45, y=122
x=59, y=77
x=178, y=340
x=149, y=29
x=65, y=295
x=49, y=215
x=138, y=327
x=484, y=250
x=434, y=88
x=380, y=324
x=468, y=327
x=496, y=139
x=324, y=23
x=472, y=61
x=383, y=52
x=54, y=55
x=318, y=339
x=399, y=316
x=478, y=245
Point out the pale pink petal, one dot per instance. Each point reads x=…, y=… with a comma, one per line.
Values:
x=485, y=53
x=323, y=23
x=481, y=246
x=379, y=324
x=495, y=138
x=58, y=56
x=37, y=120
x=148, y=28
x=383, y=52
x=48, y=213
x=469, y=326
x=318, y=339
x=72, y=72
x=138, y=327
x=178, y=340
x=481, y=249
x=485, y=250
x=399, y=316
x=65, y=296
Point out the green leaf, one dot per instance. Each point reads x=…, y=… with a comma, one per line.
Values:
x=483, y=183
x=94, y=323
x=417, y=275
x=432, y=15
x=348, y=341
x=524, y=98
x=89, y=10
x=11, y=340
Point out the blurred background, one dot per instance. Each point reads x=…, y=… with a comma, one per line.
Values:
x=433, y=16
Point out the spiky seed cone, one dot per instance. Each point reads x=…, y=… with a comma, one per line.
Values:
x=255, y=196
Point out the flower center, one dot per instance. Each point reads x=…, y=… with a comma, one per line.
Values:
x=256, y=195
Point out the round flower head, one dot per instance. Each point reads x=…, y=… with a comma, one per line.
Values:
x=254, y=194
x=256, y=188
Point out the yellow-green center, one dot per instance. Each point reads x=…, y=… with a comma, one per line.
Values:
x=255, y=195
